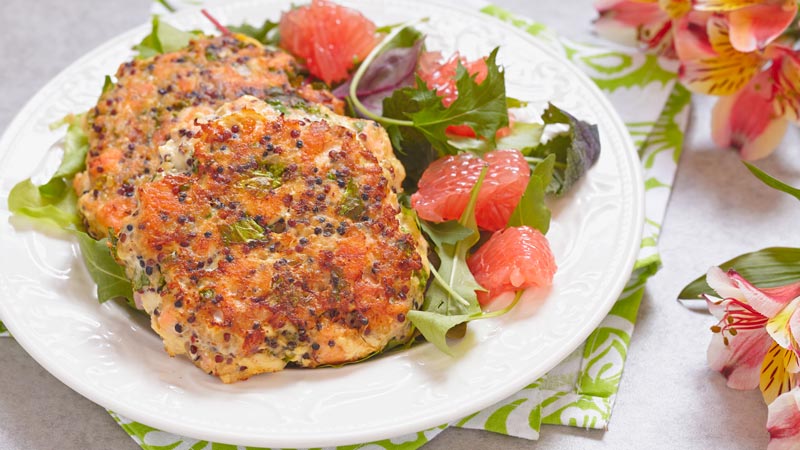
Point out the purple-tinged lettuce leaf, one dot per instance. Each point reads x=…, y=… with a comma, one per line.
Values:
x=576, y=150
x=392, y=69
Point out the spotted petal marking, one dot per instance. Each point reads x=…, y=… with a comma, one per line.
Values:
x=787, y=95
x=676, y=8
x=724, y=5
x=727, y=72
x=778, y=372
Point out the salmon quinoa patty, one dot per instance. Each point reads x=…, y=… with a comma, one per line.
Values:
x=156, y=99
x=274, y=236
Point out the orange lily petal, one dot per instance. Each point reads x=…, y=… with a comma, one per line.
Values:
x=776, y=374
x=783, y=422
x=725, y=73
x=747, y=122
x=754, y=27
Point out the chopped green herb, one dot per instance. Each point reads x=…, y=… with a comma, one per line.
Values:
x=243, y=231
x=352, y=206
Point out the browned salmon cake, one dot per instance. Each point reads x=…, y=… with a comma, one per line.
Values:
x=274, y=236
x=157, y=97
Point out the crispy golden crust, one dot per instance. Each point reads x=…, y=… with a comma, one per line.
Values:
x=280, y=241
x=157, y=97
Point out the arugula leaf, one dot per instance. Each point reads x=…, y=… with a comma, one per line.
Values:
x=451, y=299
x=772, y=182
x=454, y=289
x=531, y=209
x=267, y=33
x=243, y=231
x=576, y=151
x=104, y=269
x=434, y=326
x=450, y=232
x=164, y=38
x=3, y=328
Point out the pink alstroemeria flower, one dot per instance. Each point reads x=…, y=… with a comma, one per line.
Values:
x=783, y=422
x=754, y=342
x=760, y=90
x=754, y=23
x=647, y=23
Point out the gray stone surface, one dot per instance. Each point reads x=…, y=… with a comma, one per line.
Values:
x=668, y=398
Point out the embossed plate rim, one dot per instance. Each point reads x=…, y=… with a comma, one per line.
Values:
x=276, y=438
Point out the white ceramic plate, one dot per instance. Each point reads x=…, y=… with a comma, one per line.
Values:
x=108, y=354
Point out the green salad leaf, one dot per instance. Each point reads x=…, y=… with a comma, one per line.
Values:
x=481, y=106
x=532, y=209
x=55, y=202
x=3, y=328
x=108, y=84
x=267, y=33
x=411, y=147
x=26, y=200
x=104, y=269
x=164, y=38
x=524, y=135
x=451, y=299
x=576, y=150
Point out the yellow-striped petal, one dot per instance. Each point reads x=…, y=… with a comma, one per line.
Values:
x=787, y=97
x=778, y=326
x=775, y=378
x=727, y=72
x=676, y=8
x=724, y=5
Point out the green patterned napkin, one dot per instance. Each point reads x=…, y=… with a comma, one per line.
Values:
x=580, y=391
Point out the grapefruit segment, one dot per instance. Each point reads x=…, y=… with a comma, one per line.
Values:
x=513, y=259
x=444, y=188
x=329, y=37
